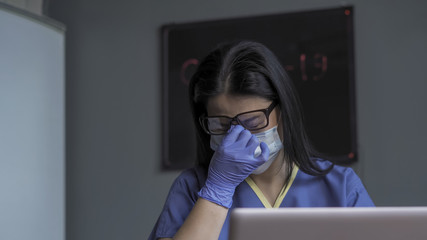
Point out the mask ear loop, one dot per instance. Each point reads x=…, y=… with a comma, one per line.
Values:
x=280, y=125
x=280, y=132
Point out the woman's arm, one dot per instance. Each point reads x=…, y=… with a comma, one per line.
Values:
x=210, y=211
x=233, y=161
x=205, y=221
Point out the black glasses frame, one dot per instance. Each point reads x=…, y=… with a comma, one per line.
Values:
x=266, y=111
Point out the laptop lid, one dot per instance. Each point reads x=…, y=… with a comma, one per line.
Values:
x=391, y=223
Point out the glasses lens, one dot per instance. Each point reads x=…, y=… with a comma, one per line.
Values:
x=253, y=120
x=218, y=125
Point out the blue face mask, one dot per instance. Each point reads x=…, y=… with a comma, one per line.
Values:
x=270, y=137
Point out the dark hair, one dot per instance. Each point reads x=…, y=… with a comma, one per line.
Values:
x=251, y=69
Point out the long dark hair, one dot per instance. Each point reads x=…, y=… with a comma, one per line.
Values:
x=251, y=69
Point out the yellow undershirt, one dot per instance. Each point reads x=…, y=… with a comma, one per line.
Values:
x=282, y=193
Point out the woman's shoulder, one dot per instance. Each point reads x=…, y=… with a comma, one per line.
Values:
x=337, y=172
x=341, y=183
x=185, y=187
x=191, y=178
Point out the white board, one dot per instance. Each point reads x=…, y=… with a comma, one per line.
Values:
x=32, y=130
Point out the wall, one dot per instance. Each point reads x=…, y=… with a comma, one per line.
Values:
x=115, y=189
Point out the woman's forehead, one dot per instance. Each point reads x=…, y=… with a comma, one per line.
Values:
x=231, y=105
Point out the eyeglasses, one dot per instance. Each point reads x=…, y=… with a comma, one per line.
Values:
x=252, y=121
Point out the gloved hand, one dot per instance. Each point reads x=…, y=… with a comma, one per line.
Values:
x=232, y=163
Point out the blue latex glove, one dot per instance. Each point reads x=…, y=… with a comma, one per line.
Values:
x=232, y=163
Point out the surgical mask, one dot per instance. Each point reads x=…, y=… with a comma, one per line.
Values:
x=270, y=137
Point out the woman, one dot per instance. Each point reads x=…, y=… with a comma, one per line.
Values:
x=252, y=149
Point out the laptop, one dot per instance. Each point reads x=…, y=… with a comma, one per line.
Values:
x=388, y=223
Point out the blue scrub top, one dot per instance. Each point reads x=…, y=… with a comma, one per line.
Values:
x=341, y=187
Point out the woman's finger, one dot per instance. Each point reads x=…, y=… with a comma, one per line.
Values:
x=232, y=135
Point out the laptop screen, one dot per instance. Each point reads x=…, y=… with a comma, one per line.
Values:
x=391, y=223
